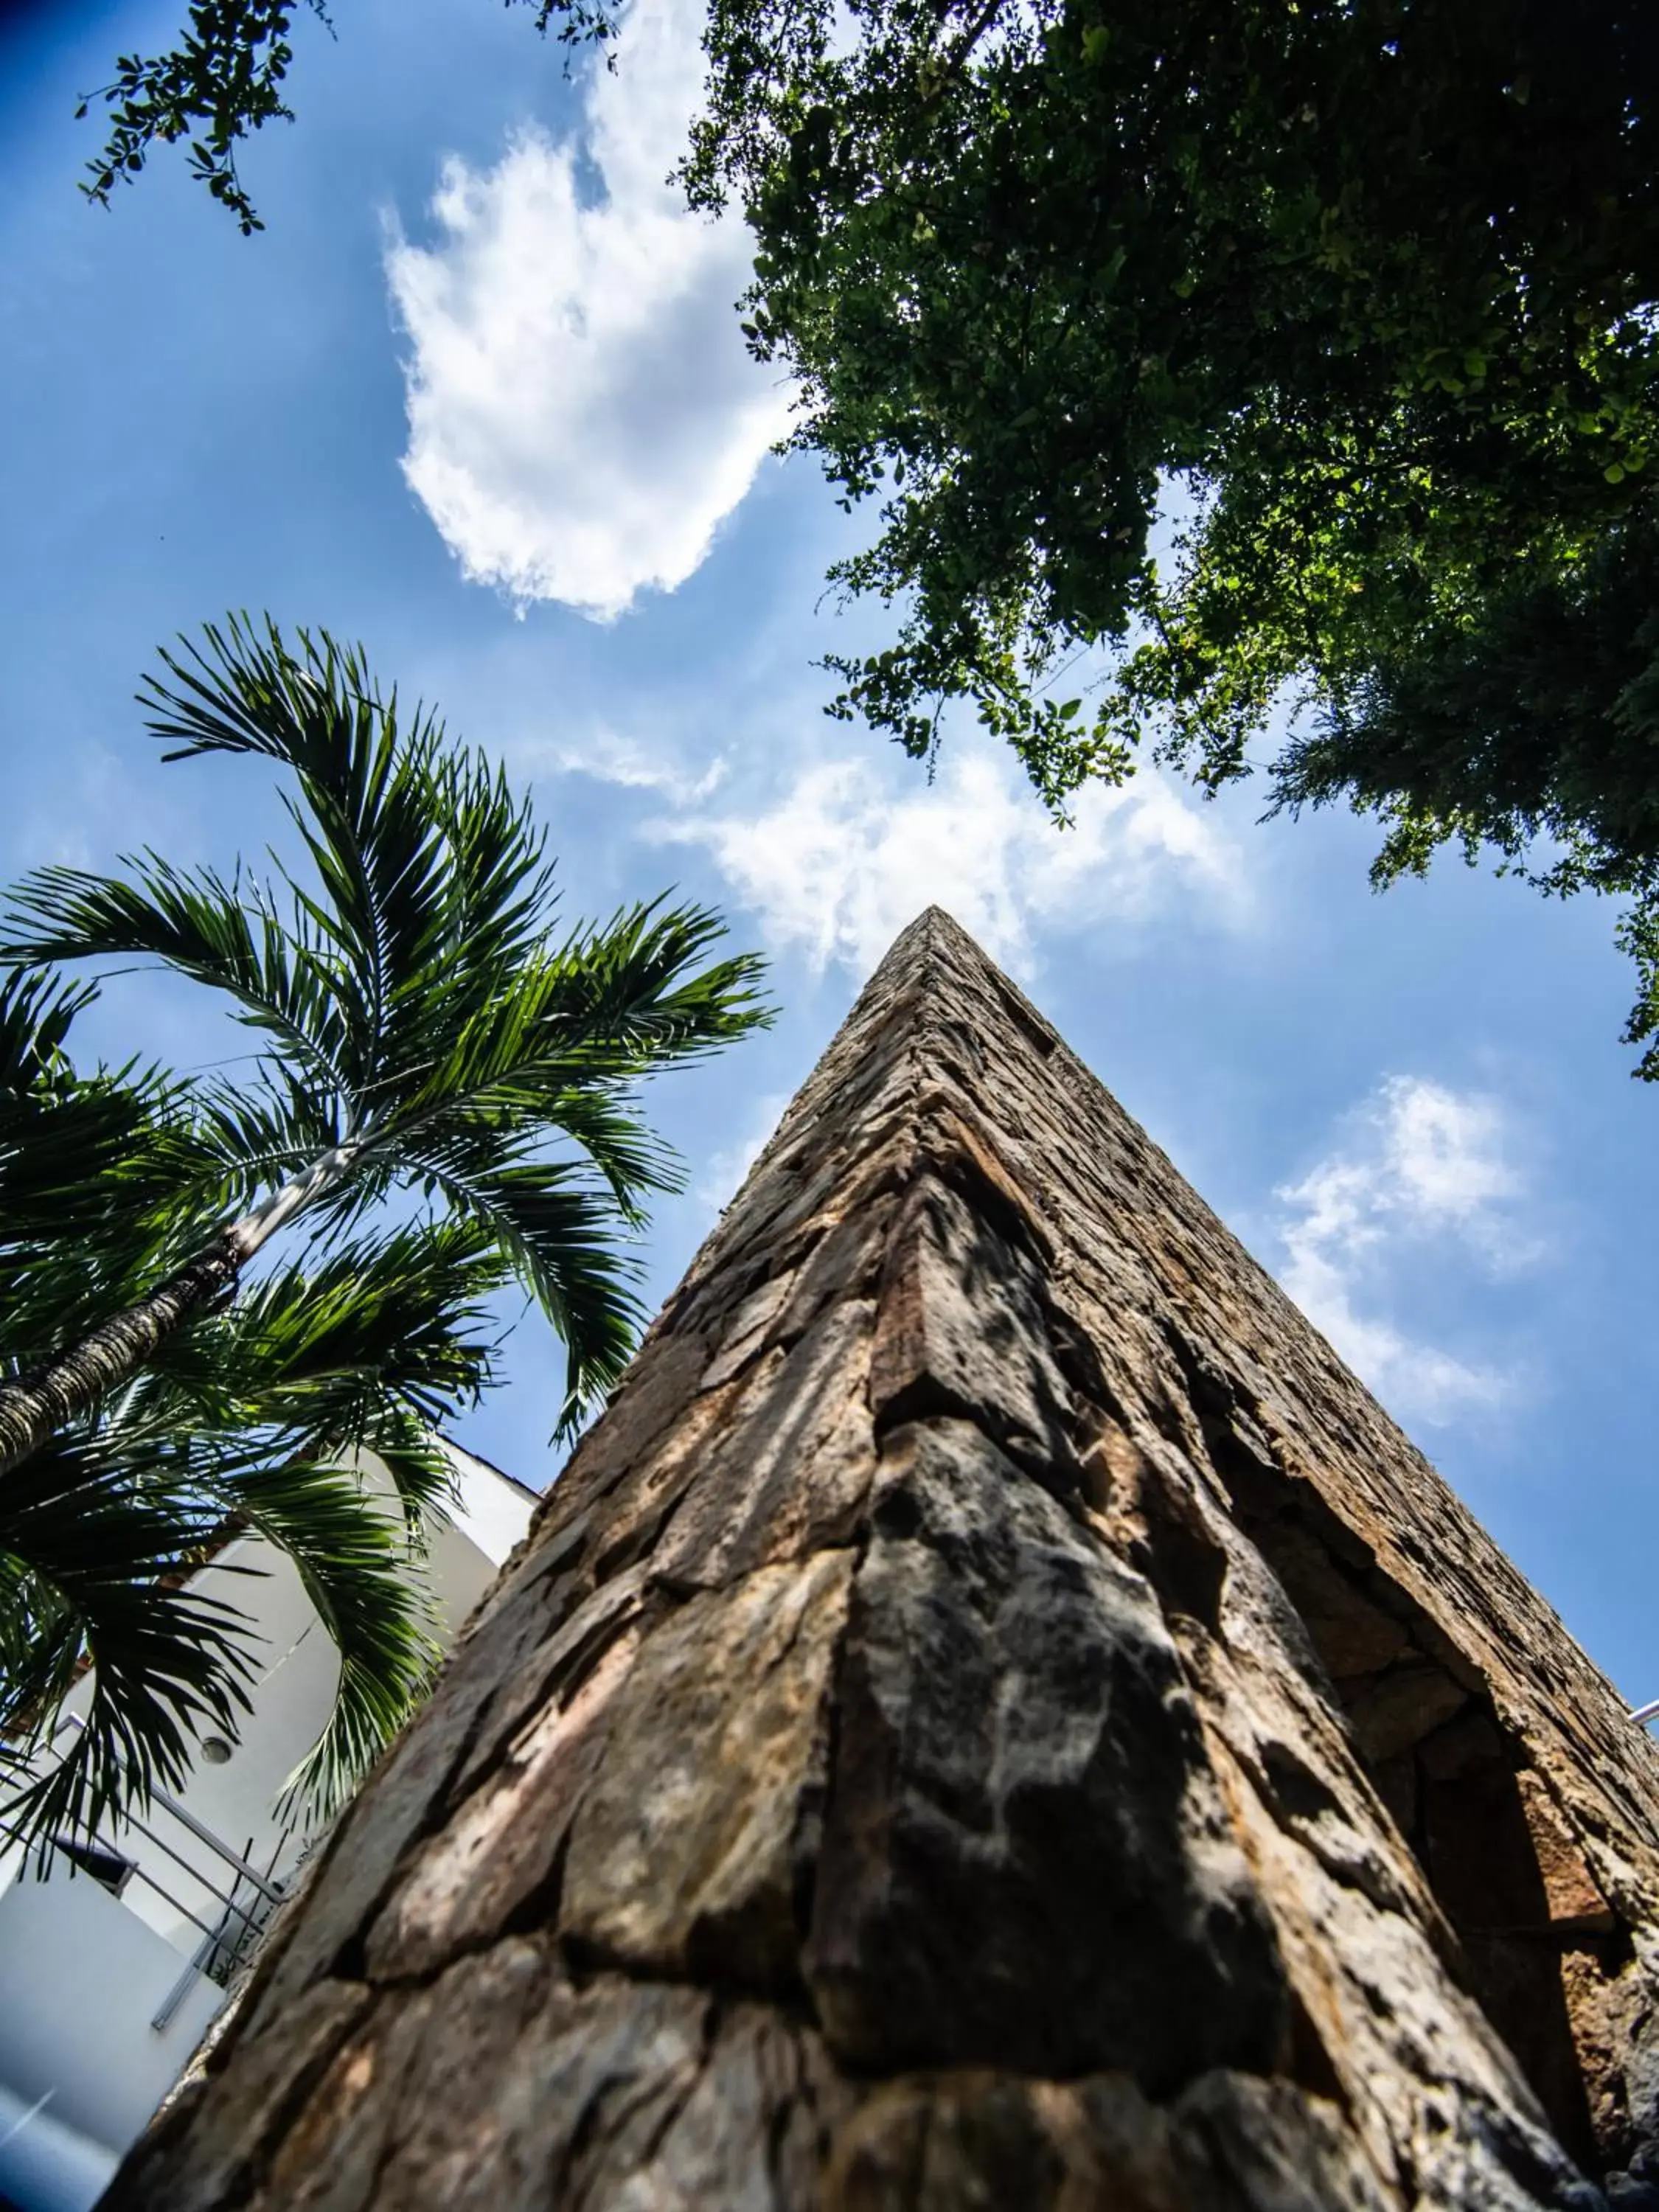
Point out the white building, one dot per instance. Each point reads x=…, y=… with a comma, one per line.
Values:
x=111, y=1972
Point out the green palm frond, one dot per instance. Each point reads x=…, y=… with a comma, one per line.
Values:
x=225, y=933
x=90, y=1551
x=251, y=1419
x=254, y=1134
x=368, y=1352
x=36, y=1014
x=421, y=1009
x=558, y=1230
x=608, y=1126
x=354, y=1557
x=431, y=1037
x=86, y=1160
x=637, y=980
x=428, y=874
x=319, y=1353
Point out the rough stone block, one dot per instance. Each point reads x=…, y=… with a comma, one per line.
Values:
x=961, y=1330
x=689, y=1844
x=789, y=1471
x=1025, y=1863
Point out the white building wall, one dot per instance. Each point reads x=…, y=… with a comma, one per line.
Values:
x=79, y=1976
x=83, y=1973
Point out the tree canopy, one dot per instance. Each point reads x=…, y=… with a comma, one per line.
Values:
x=1297, y=359
x=1359, y=291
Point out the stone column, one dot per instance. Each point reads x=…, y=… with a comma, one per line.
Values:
x=993, y=1716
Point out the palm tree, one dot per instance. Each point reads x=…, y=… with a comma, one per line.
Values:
x=431, y=1054
x=250, y=1417
x=425, y=1031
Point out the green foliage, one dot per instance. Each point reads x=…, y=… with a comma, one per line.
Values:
x=247, y=1420
x=1336, y=267
x=224, y=79
x=1536, y=728
x=465, y=1073
x=1361, y=292
x=421, y=1011
x=83, y=1159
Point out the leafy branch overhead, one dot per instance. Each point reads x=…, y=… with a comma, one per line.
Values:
x=1275, y=358
x=442, y=1101
x=1371, y=280
x=226, y=78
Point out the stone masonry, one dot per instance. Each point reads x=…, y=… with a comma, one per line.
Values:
x=993, y=1715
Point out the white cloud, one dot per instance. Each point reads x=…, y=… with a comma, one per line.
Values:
x=582, y=413
x=1427, y=1171
x=724, y=1171
x=839, y=862
x=612, y=756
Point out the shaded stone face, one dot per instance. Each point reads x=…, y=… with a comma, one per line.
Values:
x=1020, y=1777
x=993, y=1716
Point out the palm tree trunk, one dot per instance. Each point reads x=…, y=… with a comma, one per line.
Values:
x=993, y=1715
x=75, y=1380
x=79, y=1378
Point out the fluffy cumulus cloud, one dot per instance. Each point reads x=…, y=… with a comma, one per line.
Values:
x=836, y=864
x=582, y=414
x=1424, y=1176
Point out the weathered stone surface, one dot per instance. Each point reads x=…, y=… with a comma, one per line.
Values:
x=1383, y=2021
x=501, y=1848
x=502, y=2087
x=752, y=2135
x=1398, y=1708
x=1352, y=1635
x=961, y=1332
x=789, y=1472
x=993, y=1716
x=1232, y=2143
x=388, y=1821
x=1266, y=2145
x=506, y=2088
x=1019, y=1766
x=691, y=1841
x=1571, y=1898
x=750, y=1330
x=228, y=2141
x=846, y=1262
x=546, y=1669
x=650, y=1403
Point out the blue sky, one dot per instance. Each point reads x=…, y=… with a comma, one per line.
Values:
x=477, y=397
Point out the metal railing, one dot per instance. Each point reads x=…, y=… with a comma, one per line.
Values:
x=224, y=1949
x=233, y=1925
